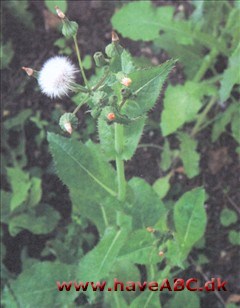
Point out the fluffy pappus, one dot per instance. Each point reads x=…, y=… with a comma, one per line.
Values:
x=57, y=76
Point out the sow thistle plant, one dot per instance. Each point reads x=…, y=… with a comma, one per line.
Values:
x=131, y=219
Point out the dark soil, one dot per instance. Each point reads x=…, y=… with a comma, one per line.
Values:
x=32, y=49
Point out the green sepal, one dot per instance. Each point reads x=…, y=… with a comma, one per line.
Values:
x=69, y=28
x=68, y=118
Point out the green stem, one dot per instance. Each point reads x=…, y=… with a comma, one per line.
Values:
x=202, y=116
x=80, y=63
x=119, y=146
x=207, y=61
x=101, y=81
x=79, y=106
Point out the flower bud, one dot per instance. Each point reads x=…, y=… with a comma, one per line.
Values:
x=68, y=122
x=28, y=70
x=111, y=116
x=60, y=13
x=161, y=253
x=115, y=37
x=150, y=230
x=100, y=59
x=126, y=81
x=69, y=28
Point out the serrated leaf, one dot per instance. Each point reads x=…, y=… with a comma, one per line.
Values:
x=181, y=105
x=38, y=279
x=147, y=208
x=84, y=170
x=41, y=220
x=146, y=85
x=231, y=75
x=228, y=217
x=20, y=184
x=190, y=218
x=188, y=154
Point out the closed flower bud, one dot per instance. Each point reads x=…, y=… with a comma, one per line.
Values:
x=69, y=28
x=68, y=122
x=28, y=70
x=126, y=81
x=59, y=12
x=115, y=37
x=150, y=230
x=111, y=116
x=161, y=253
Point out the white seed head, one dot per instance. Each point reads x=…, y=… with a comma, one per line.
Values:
x=57, y=77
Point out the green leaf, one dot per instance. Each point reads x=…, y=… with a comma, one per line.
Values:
x=124, y=271
x=20, y=184
x=139, y=20
x=162, y=186
x=220, y=124
x=84, y=170
x=62, y=4
x=181, y=105
x=139, y=248
x=188, y=154
x=40, y=279
x=234, y=237
x=146, y=85
x=231, y=75
x=20, y=12
x=87, y=62
x=147, y=208
x=6, y=54
x=19, y=119
x=228, y=217
x=190, y=218
x=41, y=220
x=184, y=299
x=35, y=193
x=235, y=125
x=166, y=159
x=146, y=299
x=97, y=264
